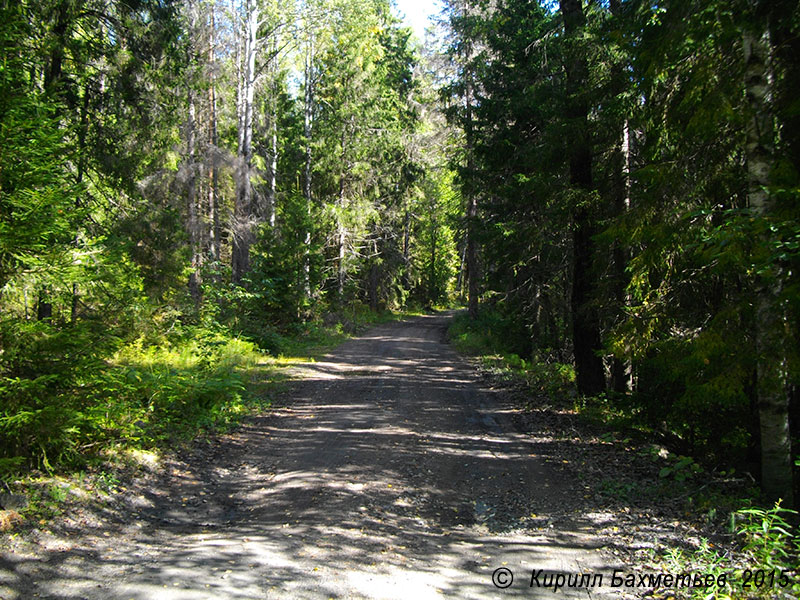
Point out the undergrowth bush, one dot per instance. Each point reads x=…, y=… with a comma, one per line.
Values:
x=488, y=337
x=766, y=565
x=172, y=390
x=485, y=335
x=68, y=394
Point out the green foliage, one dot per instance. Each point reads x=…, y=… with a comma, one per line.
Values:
x=44, y=373
x=68, y=397
x=36, y=201
x=435, y=257
x=698, y=387
x=551, y=380
x=764, y=567
x=488, y=334
x=683, y=468
x=492, y=336
x=103, y=345
x=768, y=538
x=677, y=250
x=170, y=390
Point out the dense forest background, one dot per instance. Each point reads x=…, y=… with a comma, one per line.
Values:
x=610, y=187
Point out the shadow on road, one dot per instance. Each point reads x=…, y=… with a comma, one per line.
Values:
x=391, y=471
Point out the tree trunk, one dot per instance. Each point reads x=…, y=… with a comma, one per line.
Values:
x=621, y=368
x=272, y=163
x=272, y=187
x=341, y=238
x=406, y=246
x=52, y=85
x=462, y=270
x=374, y=279
x=192, y=201
x=771, y=388
x=213, y=177
x=308, y=99
x=786, y=53
x=473, y=288
x=341, y=231
x=432, y=287
x=585, y=319
x=52, y=77
x=243, y=213
x=239, y=51
x=44, y=309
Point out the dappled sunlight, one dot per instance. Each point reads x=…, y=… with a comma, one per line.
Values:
x=390, y=472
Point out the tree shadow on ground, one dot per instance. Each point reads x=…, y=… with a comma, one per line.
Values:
x=390, y=471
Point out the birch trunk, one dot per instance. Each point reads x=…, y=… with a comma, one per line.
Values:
x=406, y=246
x=622, y=369
x=213, y=177
x=192, y=201
x=772, y=394
x=193, y=207
x=341, y=233
x=308, y=99
x=272, y=163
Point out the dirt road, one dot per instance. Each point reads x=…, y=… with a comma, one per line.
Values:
x=389, y=472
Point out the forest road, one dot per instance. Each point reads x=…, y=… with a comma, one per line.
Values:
x=390, y=470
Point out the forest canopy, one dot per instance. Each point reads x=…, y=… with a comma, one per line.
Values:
x=609, y=187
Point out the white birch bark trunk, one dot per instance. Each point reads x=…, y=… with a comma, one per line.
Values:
x=213, y=183
x=192, y=201
x=272, y=163
x=773, y=400
x=194, y=208
x=308, y=101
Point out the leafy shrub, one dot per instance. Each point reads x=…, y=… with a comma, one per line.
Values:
x=66, y=396
x=765, y=566
x=491, y=336
x=681, y=469
x=769, y=540
x=552, y=380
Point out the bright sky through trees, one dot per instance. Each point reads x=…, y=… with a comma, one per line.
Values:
x=415, y=13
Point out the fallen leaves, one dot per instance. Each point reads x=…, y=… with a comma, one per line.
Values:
x=8, y=519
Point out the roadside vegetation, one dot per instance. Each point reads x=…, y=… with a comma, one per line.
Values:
x=754, y=543
x=171, y=234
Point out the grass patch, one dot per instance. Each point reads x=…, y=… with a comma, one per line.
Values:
x=764, y=565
